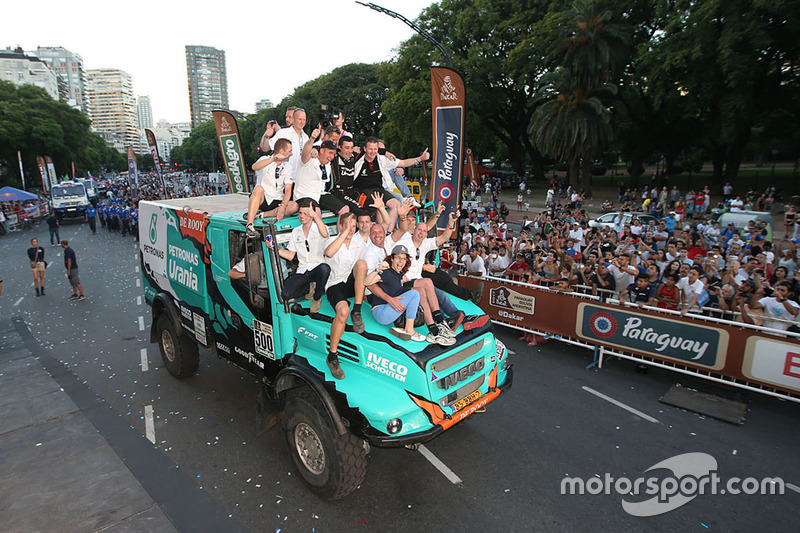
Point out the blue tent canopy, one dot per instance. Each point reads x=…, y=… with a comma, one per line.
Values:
x=10, y=194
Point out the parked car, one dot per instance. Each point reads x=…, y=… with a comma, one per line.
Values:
x=609, y=219
x=741, y=218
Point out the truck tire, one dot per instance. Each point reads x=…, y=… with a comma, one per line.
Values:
x=180, y=354
x=332, y=465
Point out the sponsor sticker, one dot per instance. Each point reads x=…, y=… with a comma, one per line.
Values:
x=772, y=361
x=507, y=298
x=199, y=328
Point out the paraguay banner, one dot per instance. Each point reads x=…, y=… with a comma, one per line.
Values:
x=132, y=170
x=43, y=172
x=51, y=170
x=449, y=102
x=231, y=147
x=151, y=142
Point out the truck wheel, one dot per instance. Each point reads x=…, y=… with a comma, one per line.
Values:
x=332, y=465
x=179, y=353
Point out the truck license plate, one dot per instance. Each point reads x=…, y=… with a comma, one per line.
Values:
x=466, y=400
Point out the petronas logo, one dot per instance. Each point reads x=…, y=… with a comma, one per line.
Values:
x=152, y=233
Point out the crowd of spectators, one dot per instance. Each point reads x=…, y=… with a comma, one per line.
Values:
x=680, y=260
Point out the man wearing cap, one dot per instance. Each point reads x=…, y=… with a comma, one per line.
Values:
x=313, y=177
x=602, y=279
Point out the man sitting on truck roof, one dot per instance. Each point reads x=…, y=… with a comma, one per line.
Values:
x=345, y=255
x=273, y=192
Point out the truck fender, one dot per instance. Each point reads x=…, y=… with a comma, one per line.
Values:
x=162, y=303
x=295, y=376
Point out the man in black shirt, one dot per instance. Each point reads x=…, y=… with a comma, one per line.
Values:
x=71, y=264
x=343, y=170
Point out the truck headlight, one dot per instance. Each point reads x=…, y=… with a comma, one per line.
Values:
x=394, y=426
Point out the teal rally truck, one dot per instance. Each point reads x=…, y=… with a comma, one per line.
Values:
x=397, y=393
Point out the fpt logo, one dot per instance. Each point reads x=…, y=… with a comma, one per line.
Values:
x=603, y=325
x=152, y=232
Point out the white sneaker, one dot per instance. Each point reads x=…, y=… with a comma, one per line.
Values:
x=414, y=202
x=445, y=330
x=441, y=340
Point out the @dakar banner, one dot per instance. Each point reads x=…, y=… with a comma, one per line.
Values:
x=231, y=147
x=448, y=105
x=151, y=142
x=43, y=172
x=51, y=170
x=132, y=170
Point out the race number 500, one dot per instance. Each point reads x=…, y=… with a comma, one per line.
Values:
x=263, y=339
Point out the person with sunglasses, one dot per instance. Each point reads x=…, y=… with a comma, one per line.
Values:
x=307, y=244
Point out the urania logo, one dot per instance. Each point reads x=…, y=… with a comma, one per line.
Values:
x=603, y=325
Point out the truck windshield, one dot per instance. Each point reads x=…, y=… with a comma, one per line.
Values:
x=69, y=190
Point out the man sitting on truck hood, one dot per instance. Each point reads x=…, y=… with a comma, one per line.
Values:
x=345, y=255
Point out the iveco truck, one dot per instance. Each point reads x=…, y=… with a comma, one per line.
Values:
x=397, y=393
x=69, y=200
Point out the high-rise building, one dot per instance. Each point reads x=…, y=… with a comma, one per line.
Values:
x=113, y=106
x=21, y=69
x=144, y=113
x=264, y=104
x=208, y=82
x=68, y=66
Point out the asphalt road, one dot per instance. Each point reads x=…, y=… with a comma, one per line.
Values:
x=501, y=470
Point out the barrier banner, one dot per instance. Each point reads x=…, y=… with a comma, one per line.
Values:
x=43, y=173
x=719, y=349
x=151, y=142
x=449, y=102
x=231, y=147
x=132, y=170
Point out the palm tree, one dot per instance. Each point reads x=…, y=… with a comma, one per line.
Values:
x=577, y=122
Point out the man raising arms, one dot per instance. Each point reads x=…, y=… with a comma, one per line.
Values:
x=273, y=191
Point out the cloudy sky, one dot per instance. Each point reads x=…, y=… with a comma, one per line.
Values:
x=270, y=47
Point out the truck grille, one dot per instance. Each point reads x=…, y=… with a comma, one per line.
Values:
x=454, y=359
x=462, y=392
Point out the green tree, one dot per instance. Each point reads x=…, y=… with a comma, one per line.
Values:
x=200, y=151
x=499, y=48
x=576, y=124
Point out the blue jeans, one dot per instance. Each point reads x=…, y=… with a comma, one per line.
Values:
x=54, y=233
x=297, y=285
x=400, y=183
x=386, y=314
x=445, y=303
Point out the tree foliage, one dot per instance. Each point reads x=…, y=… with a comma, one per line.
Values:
x=34, y=124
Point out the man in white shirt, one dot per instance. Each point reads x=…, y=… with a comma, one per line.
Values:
x=576, y=234
x=296, y=136
x=313, y=178
x=691, y=288
x=307, y=243
x=474, y=263
x=345, y=255
x=777, y=306
x=624, y=273
x=273, y=191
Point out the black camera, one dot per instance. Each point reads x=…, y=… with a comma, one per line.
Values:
x=328, y=115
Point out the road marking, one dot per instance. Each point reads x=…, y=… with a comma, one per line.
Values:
x=18, y=301
x=792, y=487
x=145, y=367
x=141, y=323
x=138, y=300
x=138, y=282
x=620, y=404
x=137, y=268
x=440, y=466
x=149, y=428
